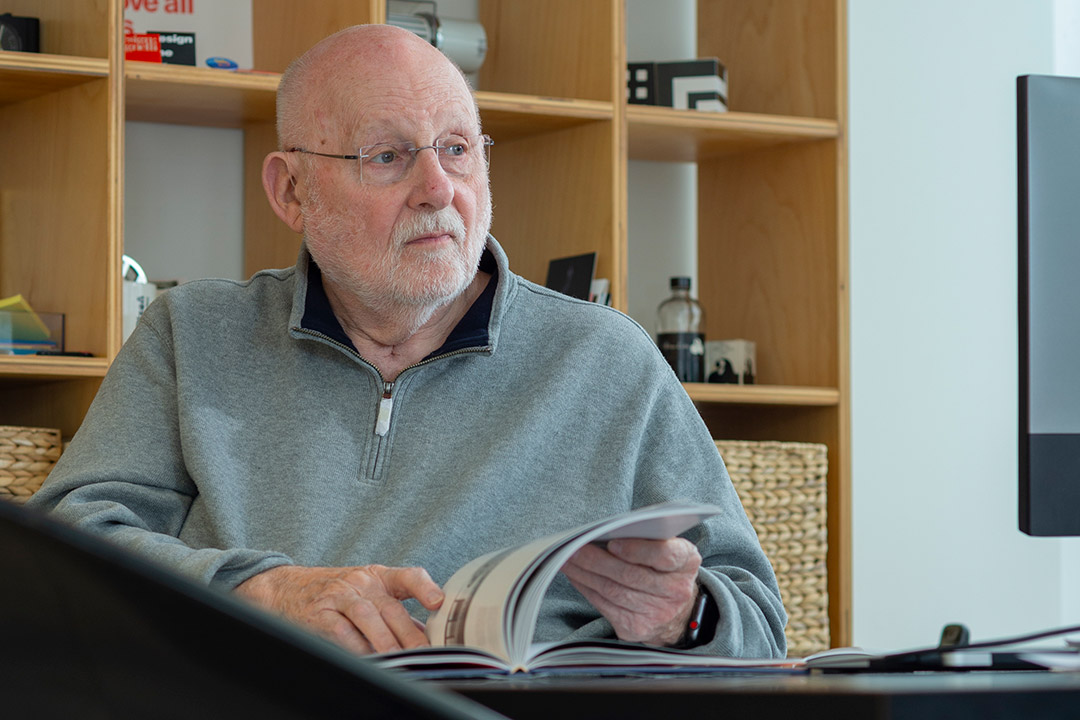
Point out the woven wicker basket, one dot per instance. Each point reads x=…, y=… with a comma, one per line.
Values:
x=782, y=487
x=27, y=455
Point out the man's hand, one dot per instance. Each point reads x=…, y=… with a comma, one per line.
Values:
x=645, y=588
x=357, y=607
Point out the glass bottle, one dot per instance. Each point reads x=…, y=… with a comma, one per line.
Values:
x=680, y=332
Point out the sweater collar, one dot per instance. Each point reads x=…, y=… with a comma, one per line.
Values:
x=478, y=328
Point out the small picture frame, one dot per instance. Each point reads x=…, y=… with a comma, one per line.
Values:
x=572, y=276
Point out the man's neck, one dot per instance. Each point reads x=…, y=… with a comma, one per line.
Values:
x=395, y=338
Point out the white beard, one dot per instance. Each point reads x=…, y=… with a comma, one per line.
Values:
x=403, y=284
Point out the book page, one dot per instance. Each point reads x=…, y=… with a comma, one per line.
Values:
x=614, y=653
x=454, y=660
x=655, y=522
x=493, y=602
x=480, y=600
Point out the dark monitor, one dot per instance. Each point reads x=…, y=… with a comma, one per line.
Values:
x=90, y=630
x=1048, y=123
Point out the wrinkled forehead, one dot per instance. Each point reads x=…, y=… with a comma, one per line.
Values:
x=420, y=111
x=417, y=96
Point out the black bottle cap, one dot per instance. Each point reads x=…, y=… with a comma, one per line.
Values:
x=680, y=283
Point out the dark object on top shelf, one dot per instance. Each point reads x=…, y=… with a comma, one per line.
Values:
x=21, y=34
x=682, y=84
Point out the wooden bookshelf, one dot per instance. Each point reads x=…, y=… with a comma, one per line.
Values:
x=772, y=179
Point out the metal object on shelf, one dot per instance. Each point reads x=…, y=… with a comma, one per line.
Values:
x=138, y=293
x=463, y=41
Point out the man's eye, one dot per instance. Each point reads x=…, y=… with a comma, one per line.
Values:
x=383, y=157
x=456, y=150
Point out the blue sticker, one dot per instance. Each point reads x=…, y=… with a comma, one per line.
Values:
x=222, y=63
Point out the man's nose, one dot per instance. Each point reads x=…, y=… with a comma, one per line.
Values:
x=432, y=188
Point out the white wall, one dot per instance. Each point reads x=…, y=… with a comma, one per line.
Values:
x=662, y=208
x=933, y=278
x=1067, y=62
x=184, y=201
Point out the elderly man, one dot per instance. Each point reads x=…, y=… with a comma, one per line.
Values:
x=333, y=440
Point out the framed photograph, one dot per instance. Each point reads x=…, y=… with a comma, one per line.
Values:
x=572, y=276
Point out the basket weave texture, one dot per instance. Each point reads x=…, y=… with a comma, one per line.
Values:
x=27, y=455
x=782, y=487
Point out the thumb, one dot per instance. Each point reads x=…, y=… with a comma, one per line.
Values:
x=413, y=582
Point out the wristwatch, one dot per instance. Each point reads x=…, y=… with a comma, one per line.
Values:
x=701, y=626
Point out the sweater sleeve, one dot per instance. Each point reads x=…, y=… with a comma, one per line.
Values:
x=123, y=476
x=679, y=461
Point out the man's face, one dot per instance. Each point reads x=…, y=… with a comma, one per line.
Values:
x=416, y=242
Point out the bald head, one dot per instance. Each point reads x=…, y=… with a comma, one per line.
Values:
x=323, y=94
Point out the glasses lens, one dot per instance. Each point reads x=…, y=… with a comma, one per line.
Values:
x=387, y=163
x=458, y=155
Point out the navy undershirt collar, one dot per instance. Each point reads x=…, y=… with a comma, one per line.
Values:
x=471, y=330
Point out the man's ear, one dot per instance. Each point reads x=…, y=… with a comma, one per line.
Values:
x=280, y=187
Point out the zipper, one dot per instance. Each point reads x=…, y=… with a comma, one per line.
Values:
x=386, y=407
x=385, y=411
x=386, y=402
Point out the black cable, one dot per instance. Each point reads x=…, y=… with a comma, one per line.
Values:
x=1014, y=640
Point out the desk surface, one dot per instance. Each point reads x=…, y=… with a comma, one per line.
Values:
x=915, y=696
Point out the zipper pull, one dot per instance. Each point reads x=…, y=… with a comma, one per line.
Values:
x=386, y=406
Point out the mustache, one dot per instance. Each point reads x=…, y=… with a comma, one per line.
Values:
x=446, y=221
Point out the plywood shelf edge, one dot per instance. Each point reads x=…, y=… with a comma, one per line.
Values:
x=24, y=366
x=763, y=394
x=54, y=64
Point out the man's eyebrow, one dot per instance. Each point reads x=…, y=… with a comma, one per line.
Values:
x=383, y=131
x=373, y=130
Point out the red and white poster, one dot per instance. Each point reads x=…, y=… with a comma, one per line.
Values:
x=202, y=33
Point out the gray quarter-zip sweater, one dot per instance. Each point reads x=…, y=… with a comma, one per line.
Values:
x=239, y=430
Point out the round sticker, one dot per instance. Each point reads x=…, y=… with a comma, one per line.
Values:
x=222, y=63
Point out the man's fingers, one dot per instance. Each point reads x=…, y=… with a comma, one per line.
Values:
x=358, y=608
x=615, y=613
x=643, y=603
x=634, y=576
x=404, y=626
x=412, y=582
x=337, y=628
x=585, y=579
x=387, y=626
x=644, y=623
x=672, y=555
x=368, y=619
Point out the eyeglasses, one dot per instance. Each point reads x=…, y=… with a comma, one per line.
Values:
x=387, y=163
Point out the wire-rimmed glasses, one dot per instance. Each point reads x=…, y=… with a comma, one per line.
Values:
x=386, y=163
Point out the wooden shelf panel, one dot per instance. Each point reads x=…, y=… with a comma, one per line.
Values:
x=507, y=116
x=203, y=96
x=198, y=96
x=28, y=75
x=24, y=367
x=763, y=395
x=669, y=135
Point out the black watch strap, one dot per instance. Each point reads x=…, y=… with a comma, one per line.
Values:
x=701, y=627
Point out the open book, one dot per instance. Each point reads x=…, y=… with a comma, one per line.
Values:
x=489, y=616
